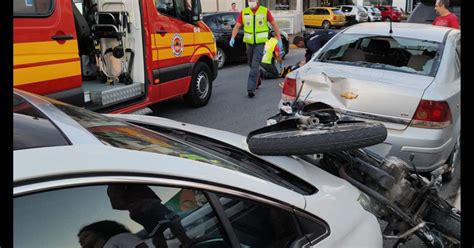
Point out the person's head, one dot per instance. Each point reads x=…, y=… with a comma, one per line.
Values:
x=95, y=235
x=298, y=41
x=253, y=3
x=441, y=7
x=233, y=5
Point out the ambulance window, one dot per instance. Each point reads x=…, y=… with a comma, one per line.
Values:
x=175, y=8
x=32, y=8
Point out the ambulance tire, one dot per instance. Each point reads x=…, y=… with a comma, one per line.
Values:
x=200, y=88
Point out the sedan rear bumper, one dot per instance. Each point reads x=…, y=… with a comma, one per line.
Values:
x=430, y=147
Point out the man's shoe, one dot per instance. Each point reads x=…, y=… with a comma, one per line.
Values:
x=251, y=94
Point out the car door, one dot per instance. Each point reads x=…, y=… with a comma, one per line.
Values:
x=309, y=17
x=319, y=17
x=116, y=213
x=172, y=45
x=45, y=49
x=226, y=23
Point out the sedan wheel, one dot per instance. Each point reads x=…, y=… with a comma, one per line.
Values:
x=220, y=58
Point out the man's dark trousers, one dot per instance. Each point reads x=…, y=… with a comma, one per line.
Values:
x=254, y=57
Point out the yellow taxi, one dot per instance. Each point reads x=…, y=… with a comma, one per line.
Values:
x=325, y=17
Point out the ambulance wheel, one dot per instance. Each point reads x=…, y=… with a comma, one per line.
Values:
x=200, y=88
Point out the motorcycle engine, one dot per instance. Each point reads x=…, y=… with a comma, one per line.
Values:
x=402, y=193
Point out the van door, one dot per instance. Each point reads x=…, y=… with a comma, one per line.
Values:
x=45, y=51
x=172, y=44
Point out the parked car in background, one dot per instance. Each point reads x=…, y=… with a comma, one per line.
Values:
x=221, y=24
x=359, y=13
x=373, y=13
x=390, y=13
x=325, y=17
x=73, y=167
x=411, y=85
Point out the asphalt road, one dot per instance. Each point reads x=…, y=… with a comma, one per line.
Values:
x=230, y=109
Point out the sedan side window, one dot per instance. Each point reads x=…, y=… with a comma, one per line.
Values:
x=116, y=215
x=226, y=22
x=260, y=225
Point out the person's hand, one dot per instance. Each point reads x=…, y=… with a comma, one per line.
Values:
x=231, y=42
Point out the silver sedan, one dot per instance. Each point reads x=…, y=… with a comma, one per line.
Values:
x=406, y=76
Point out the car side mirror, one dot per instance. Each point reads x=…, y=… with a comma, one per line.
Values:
x=300, y=242
x=195, y=13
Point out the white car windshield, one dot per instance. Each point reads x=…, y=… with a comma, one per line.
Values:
x=384, y=52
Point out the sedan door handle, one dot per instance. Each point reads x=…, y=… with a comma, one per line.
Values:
x=63, y=37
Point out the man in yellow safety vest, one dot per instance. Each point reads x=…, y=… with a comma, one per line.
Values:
x=272, y=62
x=255, y=20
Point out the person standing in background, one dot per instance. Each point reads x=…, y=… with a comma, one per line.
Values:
x=233, y=7
x=445, y=17
x=255, y=20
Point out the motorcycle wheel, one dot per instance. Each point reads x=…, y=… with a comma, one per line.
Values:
x=345, y=136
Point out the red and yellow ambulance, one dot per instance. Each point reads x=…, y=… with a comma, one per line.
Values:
x=114, y=56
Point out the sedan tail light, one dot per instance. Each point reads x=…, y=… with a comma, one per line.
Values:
x=289, y=89
x=432, y=114
x=333, y=17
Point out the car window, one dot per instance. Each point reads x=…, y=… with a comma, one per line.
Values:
x=309, y=12
x=313, y=228
x=32, y=129
x=211, y=22
x=226, y=22
x=458, y=57
x=346, y=9
x=337, y=11
x=175, y=8
x=375, y=10
x=121, y=134
x=395, y=9
x=260, y=225
x=384, y=52
x=382, y=8
x=32, y=8
x=319, y=12
x=324, y=11
x=361, y=9
x=115, y=215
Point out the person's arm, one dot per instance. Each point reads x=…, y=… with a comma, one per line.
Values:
x=236, y=29
x=272, y=21
x=238, y=23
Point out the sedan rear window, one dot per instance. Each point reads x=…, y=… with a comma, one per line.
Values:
x=384, y=52
x=31, y=129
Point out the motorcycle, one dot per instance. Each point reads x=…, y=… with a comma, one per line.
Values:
x=392, y=189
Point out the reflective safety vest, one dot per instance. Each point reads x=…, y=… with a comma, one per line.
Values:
x=268, y=52
x=255, y=25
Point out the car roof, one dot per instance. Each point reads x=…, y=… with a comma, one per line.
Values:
x=61, y=162
x=408, y=30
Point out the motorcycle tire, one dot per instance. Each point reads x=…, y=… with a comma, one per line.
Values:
x=346, y=136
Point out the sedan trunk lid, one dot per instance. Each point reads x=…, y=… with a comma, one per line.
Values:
x=378, y=95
